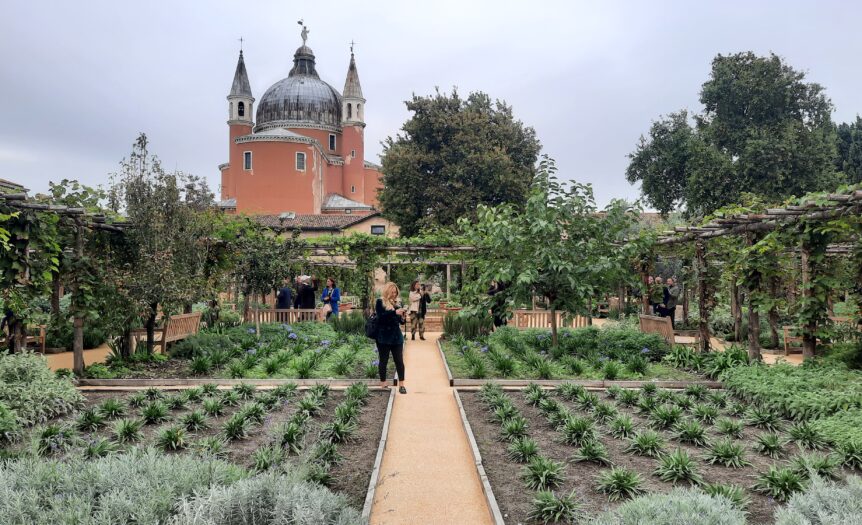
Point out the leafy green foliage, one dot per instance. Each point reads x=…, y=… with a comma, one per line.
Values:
x=728, y=453
x=194, y=421
x=814, y=464
x=542, y=473
x=593, y=451
x=154, y=413
x=54, y=438
x=690, y=431
x=112, y=408
x=764, y=418
x=680, y=505
x=705, y=413
x=806, y=435
x=779, y=483
x=665, y=416
x=522, y=449
x=734, y=493
x=550, y=508
x=172, y=438
x=90, y=420
x=128, y=430
x=621, y=427
x=513, y=428
x=822, y=503
x=447, y=135
x=619, y=483
x=770, y=445
x=31, y=391
x=577, y=430
x=678, y=466
x=728, y=427
x=646, y=443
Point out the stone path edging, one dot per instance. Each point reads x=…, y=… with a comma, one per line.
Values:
x=490, y=499
x=445, y=363
x=381, y=447
x=221, y=381
x=598, y=384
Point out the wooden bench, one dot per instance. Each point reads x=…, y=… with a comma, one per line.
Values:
x=32, y=334
x=652, y=324
x=175, y=328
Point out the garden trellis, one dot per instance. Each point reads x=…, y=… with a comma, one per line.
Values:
x=819, y=226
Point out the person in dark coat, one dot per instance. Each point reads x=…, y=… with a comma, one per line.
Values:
x=284, y=299
x=498, y=306
x=306, y=293
x=390, y=340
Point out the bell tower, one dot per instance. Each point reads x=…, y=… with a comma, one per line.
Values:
x=240, y=123
x=353, y=134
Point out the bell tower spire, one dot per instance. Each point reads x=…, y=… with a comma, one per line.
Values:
x=353, y=110
x=240, y=99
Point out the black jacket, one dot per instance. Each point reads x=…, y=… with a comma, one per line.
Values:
x=306, y=297
x=388, y=325
x=423, y=304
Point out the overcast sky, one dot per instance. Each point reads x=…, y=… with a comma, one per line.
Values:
x=81, y=79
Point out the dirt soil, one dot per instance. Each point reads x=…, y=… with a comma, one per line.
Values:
x=350, y=477
x=515, y=502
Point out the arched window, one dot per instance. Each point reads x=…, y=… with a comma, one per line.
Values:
x=230, y=111
x=349, y=110
x=359, y=111
x=240, y=109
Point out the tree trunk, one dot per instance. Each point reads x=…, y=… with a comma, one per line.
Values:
x=809, y=340
x=703, y=299
x=645, y=296
x=590, y=311
x=773, y=313
x=553, y=324
x=245, y=304
x=78, y=322
x=55, y=296
x=151, y=328
x=736, y=311
x=685, y=304
x=257, y=318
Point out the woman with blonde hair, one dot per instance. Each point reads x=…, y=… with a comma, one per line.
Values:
x=390, y=317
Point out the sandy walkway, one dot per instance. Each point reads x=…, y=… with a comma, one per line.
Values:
x=428, y=475
x=64, y=360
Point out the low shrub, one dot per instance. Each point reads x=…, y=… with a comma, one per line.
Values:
x=770, y=445
x=32, y=393
x=111, y=489
x=523, y=450
x=734, y=493
x=542, y=473
x=646, y=443
x=268, y=498
x=550, y=508
x=823, y=503
x=678, y=506
x=678, y=466
x=727, y=453
x=779, y=483
x=620, y=483
x=352, y=322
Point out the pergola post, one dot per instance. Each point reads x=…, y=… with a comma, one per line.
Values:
x=78, y=320
x=809, y=329
x=448, y=281
x=753, y=313
x=645, y=296
x=702, y=295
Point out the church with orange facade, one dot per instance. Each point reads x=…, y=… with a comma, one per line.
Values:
x=298, y=154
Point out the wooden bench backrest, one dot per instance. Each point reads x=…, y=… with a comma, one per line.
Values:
x=792, y=335
x=651, y=324
x=542, y=319
x=181, y=326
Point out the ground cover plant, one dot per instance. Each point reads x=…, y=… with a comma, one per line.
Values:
x=31, y=393
x=299, y=351
x=614, y=352
x=317, y=435
x=740, y=465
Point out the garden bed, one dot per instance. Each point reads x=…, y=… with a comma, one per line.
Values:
x=721, y=420
x=299, y=351
x=611, y=354
x=313, y=430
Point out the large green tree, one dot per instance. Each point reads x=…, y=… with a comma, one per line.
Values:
x=452, y=155
x=849, y=145
x=763, y=130
x=560, y=246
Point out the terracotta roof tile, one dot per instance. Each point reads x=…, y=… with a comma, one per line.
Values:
x=313, y=222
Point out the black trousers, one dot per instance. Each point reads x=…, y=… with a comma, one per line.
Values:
x=397, y=352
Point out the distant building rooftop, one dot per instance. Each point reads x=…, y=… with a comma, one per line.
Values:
x=312, y=222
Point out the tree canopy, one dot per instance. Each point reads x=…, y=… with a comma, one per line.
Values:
x=452, y=155
x=559, y=246
x=763, y=130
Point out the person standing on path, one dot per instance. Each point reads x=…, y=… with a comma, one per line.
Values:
x=656, y=295
x=390, y=340
x=331, y=296
x=418, y=299
x=305, y=298
x=671, y=296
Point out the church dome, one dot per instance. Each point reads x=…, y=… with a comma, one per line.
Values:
x=301, y=99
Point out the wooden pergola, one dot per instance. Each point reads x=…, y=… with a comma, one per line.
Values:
x=832, y=206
